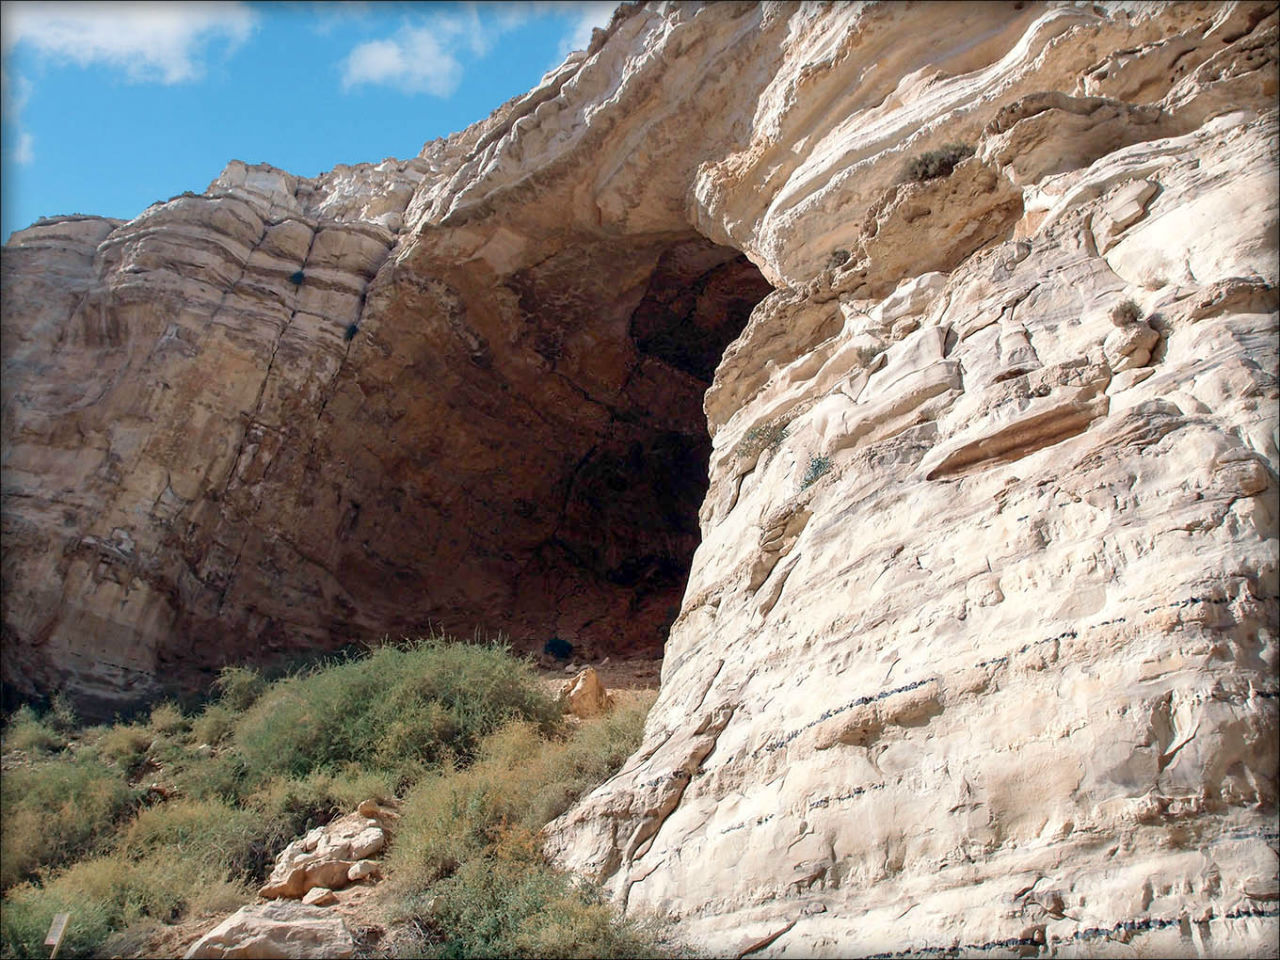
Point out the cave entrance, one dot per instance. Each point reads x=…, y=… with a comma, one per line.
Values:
x=619, y=559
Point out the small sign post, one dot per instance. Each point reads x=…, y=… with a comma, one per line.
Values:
x=57, y=930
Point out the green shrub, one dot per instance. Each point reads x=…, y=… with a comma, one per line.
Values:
x=399, y=711
x=57, y=811
x=239, y=687
x=294, y=806
x=167, y=719
x=467, y=863
x=111, y=893
x=937, y=163
x=126, y=746
x=229, y=840
x=518, y=779
x=215, y=723
x=208, y=777
x=29, y=910
x=508, y=905
x=29, y=732
x=818, y=467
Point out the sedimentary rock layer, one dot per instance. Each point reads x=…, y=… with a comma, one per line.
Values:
x=978, y=648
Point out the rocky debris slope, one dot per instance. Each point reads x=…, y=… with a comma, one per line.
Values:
x=293, y=922
x=978, y=648
x=332, y=856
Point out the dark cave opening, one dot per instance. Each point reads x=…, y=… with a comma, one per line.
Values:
x=631, y=512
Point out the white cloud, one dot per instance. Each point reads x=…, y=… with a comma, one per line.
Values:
x=24, y=153
x=14, y=93
x=413, y=62
x=164, y=42
x=425, y=56
x=590, y=16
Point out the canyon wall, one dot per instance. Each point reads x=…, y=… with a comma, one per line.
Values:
x=977, y=652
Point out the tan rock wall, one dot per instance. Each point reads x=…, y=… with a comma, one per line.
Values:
x=978, y=648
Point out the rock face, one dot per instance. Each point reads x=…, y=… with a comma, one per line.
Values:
x=978, y=648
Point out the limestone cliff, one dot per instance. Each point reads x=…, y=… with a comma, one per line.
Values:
x=977, y=651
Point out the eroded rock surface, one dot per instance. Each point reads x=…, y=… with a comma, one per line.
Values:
x=978, y=649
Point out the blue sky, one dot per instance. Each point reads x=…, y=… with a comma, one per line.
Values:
x=108, y=107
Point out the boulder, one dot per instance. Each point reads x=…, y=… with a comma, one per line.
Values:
x=584, y=695
x=276, y=930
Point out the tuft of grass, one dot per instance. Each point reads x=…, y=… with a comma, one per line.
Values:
x=1125, y=313
x=937, y=163
x=818, y=467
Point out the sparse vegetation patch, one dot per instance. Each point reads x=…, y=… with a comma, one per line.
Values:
x=937, y=163
x=132, y=826
x=818, y=468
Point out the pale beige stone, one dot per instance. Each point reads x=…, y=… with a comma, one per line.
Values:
x=280, y=930
x=320, y=897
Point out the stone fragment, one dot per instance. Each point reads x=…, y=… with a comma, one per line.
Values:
x=320, y=897
x=363, y=870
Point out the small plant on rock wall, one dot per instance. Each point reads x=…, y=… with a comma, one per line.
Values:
x=297, y=277
x=838, y=258
x=818, y=467
x=937, y=163
x=350, y=333
x=761, y=437
x=1125, y=312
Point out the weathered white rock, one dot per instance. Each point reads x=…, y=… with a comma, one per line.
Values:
x=281, y=929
